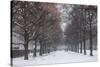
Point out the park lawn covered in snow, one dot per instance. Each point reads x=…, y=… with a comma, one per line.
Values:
x=55, y=57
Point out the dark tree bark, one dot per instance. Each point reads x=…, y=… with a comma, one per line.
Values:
x=84, y=43
x=41, y=48
x=45, y=47
x=26, y=45
x=81, y=46
x=78, y=48
x=26, y=52
x=91, y=48
x=91, y=44
x=35, y=49
x=80, y=41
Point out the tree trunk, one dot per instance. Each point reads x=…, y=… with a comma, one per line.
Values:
x=35, y=49
x=84, y=43
x=84, y=35
x=84, y=47
x=81, y=46
x=26, y=51
x=45, y=51
x=78, y=48
x=40, y=48
x=91, y=48
x=43, y=47
x=80, y=42
x=75, y=48
x=26, y=45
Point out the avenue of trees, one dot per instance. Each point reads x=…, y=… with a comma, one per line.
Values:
x=36, y=22
x=83, y=27
x=40, y=23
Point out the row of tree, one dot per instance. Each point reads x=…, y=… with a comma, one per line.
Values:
x=36, y=22
x=83, y=27
x=41, y=23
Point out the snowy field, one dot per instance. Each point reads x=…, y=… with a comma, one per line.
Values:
x=55, y=58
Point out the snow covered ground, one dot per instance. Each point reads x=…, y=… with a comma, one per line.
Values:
x=55, y=58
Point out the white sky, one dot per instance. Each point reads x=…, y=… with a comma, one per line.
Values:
x=63, y=26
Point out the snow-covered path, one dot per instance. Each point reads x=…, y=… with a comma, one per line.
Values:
x=55, y=57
